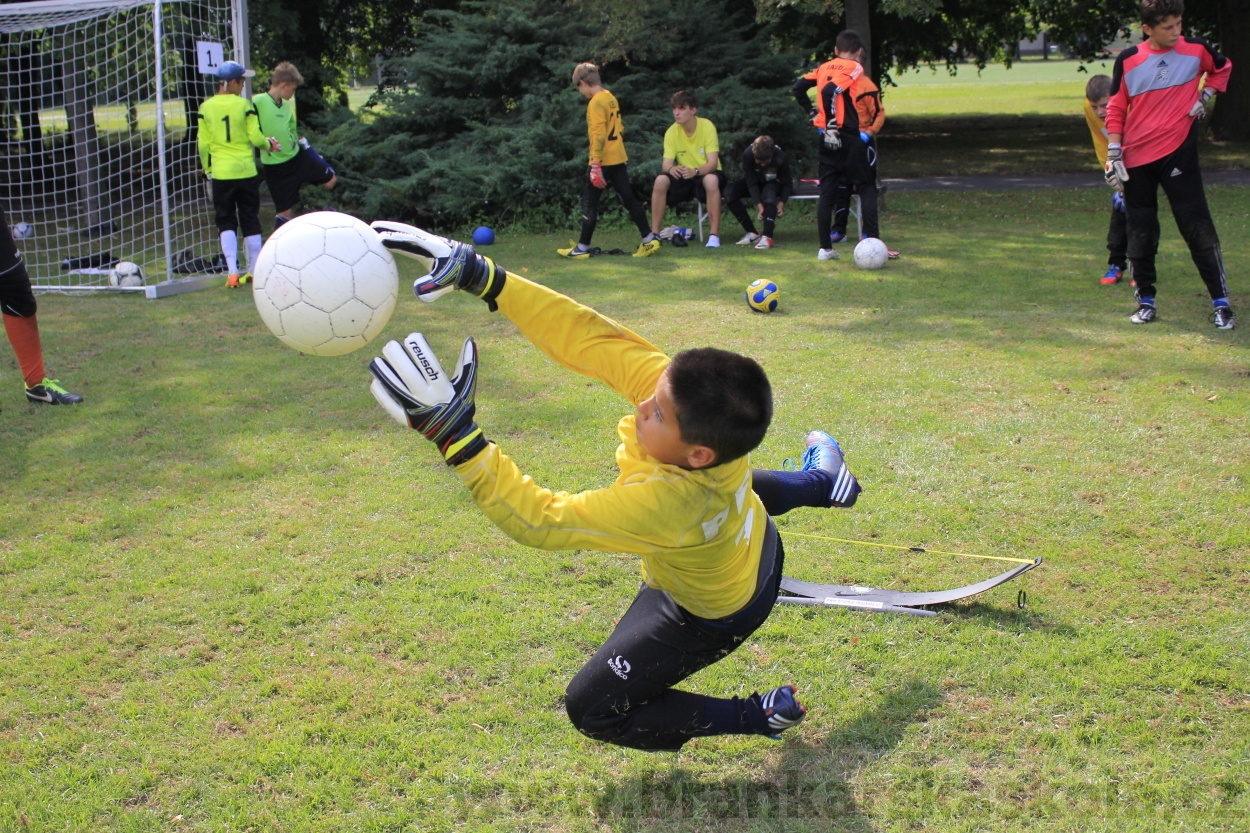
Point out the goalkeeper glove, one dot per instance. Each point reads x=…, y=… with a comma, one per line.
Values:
x=811, y=115
x=1200, y=106
x=1114, y=171
x=863, y=135
x=832, y=139
x=596, y=175
x=413, y=388
x=449, y=264
x=274, y=144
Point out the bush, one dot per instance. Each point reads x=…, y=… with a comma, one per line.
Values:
x=483, y=126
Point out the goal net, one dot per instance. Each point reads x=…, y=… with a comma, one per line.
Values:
x=97, y=136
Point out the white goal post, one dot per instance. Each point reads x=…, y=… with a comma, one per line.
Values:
x=98, y=161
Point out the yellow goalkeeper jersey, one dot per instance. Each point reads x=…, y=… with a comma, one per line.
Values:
x=606, y=130
x=228, y=131
x=1097, y=132
x=699, y=533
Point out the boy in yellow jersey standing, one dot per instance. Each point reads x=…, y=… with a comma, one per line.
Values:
x=607, y=164
x=691, y=168
x=686, y=500
x=296, y=163
x=228, y=130
x=1097, y=94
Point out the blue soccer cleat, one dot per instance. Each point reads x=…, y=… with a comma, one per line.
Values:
x=837, y=236
x=1114, y=275
x=824, y=454
x=782, y=709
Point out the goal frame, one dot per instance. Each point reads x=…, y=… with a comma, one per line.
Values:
x=38, y=18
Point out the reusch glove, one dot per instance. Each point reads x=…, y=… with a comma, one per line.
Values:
x=449, y=264
x=596, y=176
x=1200, y=106
x=832, y=139
x=413, y=388
x=1114, y=171
x=274, y=145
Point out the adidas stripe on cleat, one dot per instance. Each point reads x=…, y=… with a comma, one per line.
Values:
x=823, y=453
x=782, y=709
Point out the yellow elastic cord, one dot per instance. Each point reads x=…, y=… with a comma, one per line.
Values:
x=911, y=549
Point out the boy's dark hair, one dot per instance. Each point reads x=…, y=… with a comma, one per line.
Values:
x=683, y=98
x=1154, y=11
x=286, y=72
x=1098, y=87
x=587, y=72
x=848, y=41
x=723, y=400
x=762, y=149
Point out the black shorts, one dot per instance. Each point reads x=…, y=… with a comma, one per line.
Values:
x=237, y=202
x=685, y=190
x=16, y=297
x=285, y=178
x=854, y=162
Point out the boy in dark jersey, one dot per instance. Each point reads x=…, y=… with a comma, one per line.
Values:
x=767, y=180
x=606, y=132
x=1159, y=92
x=17, y=303
x=296, y=162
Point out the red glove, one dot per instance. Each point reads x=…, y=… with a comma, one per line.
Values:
x=274, y=144
x=596, y=175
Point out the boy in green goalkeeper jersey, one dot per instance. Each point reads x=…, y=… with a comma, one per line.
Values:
x=228, y=130
x=296, y=163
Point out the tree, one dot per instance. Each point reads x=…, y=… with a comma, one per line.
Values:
x=483, y=122
x=906, y=33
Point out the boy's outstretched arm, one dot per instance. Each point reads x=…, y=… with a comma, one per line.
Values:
x=570, y=333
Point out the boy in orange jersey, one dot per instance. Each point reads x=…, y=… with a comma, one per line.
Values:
x=849, y=114
x=607, y=165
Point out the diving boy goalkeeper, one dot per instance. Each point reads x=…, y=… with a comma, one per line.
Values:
x=686, y=501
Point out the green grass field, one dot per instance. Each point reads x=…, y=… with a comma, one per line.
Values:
x=238, y=597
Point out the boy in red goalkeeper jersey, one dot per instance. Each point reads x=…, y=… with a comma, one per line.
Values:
x=1159, y=92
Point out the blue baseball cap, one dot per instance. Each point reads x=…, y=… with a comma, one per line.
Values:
x=231, y=70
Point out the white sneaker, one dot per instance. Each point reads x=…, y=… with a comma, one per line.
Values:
x=764, y=243
x=748, y=239
x=713, y=241
x=828, y=254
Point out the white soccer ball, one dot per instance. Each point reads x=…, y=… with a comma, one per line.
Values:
x=125, y=273
x=871, y=253
x=324, y=284
x=22, y=230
